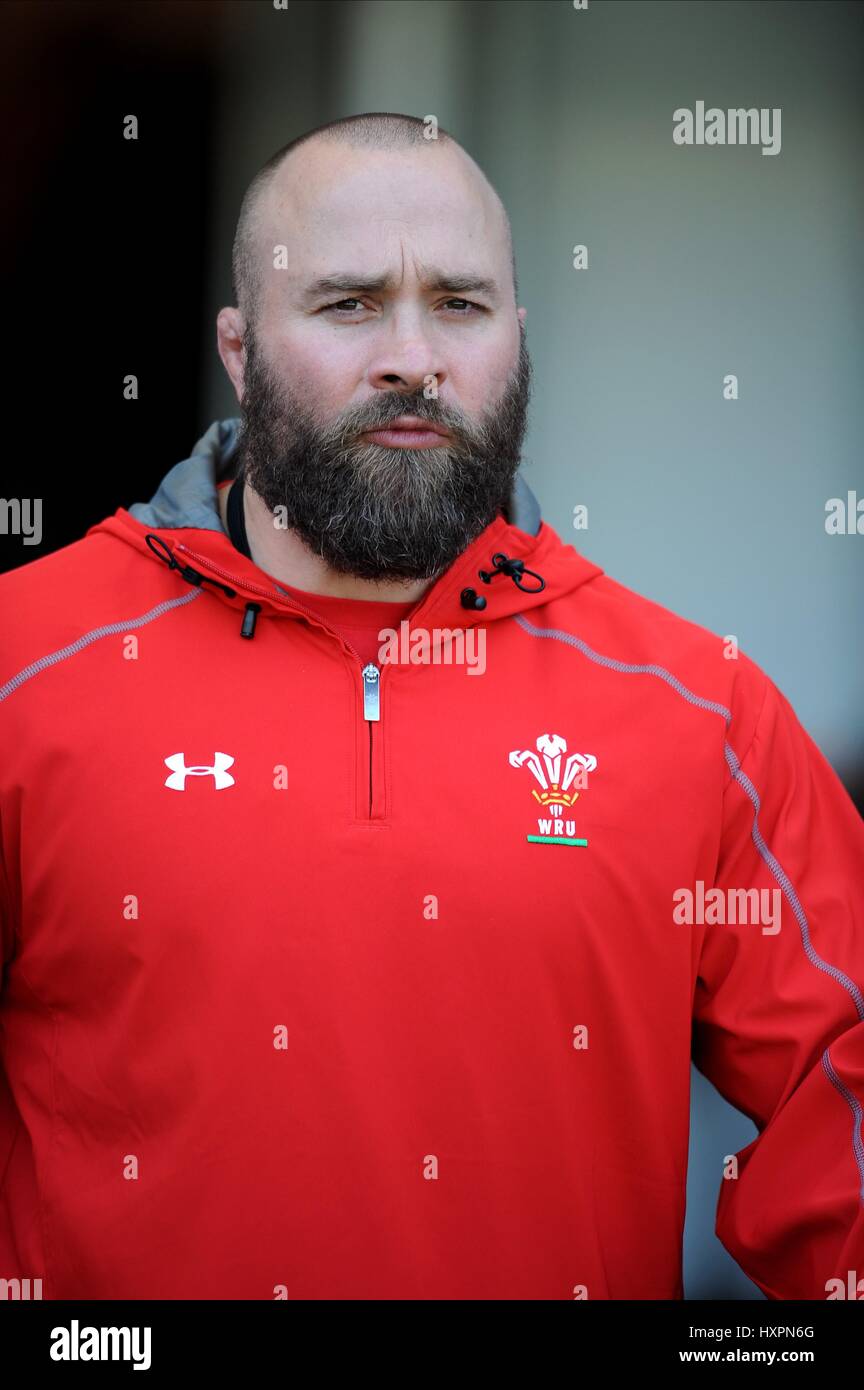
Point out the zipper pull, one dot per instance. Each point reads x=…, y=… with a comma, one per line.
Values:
x=371, y=692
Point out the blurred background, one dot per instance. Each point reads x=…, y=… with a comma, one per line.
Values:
x=702, y=261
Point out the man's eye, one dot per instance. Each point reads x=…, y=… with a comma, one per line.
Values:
x=469, y=302
x=339, y=302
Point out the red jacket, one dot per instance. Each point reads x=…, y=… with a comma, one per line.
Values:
x=303, y=1003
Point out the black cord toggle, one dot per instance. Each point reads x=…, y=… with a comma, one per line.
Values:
x=250, y=616
x=515, y=569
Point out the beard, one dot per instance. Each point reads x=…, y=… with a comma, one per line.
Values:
x=368, y=510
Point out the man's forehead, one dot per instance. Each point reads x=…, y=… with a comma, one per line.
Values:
x=382, y=196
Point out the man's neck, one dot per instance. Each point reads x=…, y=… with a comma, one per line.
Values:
x=284, y=555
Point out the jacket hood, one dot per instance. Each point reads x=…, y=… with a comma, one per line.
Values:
x=516, y=563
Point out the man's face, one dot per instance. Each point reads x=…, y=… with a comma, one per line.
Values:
x=326, y=365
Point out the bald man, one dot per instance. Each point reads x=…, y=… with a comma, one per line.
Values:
x=408, y=364
x=373, y=865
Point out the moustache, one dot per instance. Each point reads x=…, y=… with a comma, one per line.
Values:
x=455, y=432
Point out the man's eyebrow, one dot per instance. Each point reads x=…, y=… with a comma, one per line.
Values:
x=437, y=280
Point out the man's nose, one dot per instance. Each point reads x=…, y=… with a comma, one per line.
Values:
x=409, y=361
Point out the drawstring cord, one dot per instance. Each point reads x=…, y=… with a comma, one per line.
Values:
x=502, y=564
x=193, y=576
x=515, y=569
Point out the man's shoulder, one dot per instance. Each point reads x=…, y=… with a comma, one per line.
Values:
x=636, y=631
x=638, y=639
x=58, y=600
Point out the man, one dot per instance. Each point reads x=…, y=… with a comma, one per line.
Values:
x=373, y=863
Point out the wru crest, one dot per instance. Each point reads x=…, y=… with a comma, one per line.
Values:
x=555, y=794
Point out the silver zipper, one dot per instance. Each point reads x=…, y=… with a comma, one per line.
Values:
x=371, y=692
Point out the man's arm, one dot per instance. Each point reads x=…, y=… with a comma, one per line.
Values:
x=778, y=1021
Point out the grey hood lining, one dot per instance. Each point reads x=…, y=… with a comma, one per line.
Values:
x=187, y=496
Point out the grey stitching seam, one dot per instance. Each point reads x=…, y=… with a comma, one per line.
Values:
x=782, y=878
x=628, y=666
x=854, y=1105
x=774, y=866
x=109, y=630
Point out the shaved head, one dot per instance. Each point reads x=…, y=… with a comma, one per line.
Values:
x=252, y=256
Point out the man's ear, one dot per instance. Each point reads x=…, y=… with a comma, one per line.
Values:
x=230, y=329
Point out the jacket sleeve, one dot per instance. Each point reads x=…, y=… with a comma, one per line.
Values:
x=778, y=1015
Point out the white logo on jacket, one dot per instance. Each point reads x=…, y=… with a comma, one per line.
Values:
x=550, y=748
x=179, y=771
x=556, y=778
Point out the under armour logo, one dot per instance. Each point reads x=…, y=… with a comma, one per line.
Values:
x=179, y=771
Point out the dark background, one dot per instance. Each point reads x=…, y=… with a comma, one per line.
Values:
x=107, y=250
